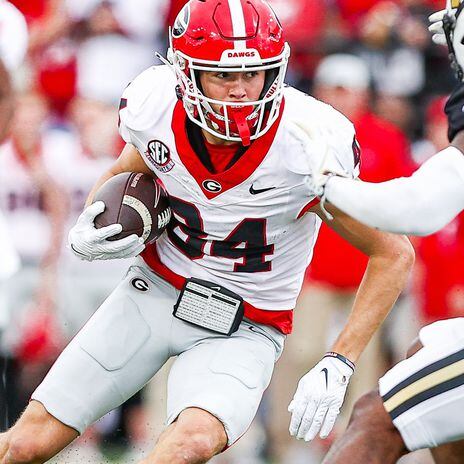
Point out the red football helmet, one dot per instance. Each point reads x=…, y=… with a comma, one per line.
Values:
x=229, y=36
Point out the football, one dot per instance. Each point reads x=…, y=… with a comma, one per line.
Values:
x=137, y=201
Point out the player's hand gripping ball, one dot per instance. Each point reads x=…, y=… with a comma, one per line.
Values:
x=129, y=210
x=139, y=202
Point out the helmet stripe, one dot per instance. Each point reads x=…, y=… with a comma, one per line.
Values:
x=238, y=23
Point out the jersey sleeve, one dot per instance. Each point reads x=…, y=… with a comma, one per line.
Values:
x=123, y=129
x=144, y=100
x=344, y=151
x=331, y=138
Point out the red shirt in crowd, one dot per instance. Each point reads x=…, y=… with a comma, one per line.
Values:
x=384, y=156
x=32, y=10
x=440, y=288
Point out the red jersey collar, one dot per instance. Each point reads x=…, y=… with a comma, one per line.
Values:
x=236, y=174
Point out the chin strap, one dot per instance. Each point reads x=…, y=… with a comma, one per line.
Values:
x=239, y=115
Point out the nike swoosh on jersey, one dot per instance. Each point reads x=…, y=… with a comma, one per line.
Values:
x=256, y=191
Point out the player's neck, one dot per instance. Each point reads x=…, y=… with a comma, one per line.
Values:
x=213, y=140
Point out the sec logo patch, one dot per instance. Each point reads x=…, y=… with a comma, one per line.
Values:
x=159, y=155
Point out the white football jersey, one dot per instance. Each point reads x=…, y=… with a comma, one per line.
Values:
x=246, y=228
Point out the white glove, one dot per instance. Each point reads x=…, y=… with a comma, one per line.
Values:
x=319, y=397
x=315, y=155
x=455, y=33
x=315, y=162
x=89, y=243
x=436, y=25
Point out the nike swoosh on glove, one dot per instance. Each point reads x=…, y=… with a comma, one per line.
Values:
x=318, y=398
x=89, y=243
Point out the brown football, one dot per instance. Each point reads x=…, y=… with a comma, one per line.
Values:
x=137, y=201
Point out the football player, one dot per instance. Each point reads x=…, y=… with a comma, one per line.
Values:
x=420, y=400
x=233, y=147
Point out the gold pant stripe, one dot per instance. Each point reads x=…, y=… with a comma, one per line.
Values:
x=429, y=381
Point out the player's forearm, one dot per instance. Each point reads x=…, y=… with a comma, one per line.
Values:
x=107, y=175
x=385, y=277
x=418, y=205
x=113, y=171
x=129, y=161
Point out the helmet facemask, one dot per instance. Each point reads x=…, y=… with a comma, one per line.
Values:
x=235, y=121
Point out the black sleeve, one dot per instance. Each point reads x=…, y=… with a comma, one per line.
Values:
x=454, y=111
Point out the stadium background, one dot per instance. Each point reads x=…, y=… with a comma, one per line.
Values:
x=371, y=59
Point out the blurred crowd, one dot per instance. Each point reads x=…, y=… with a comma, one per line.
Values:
x=69, y=62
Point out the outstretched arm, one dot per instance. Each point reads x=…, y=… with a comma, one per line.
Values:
x=320, y=392
x=434, y=194
x=416, y=205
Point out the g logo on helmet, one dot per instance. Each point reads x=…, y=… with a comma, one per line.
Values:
x=181, y=23
x=212, y=185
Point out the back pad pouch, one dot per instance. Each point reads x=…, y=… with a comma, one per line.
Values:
x=210, y=306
